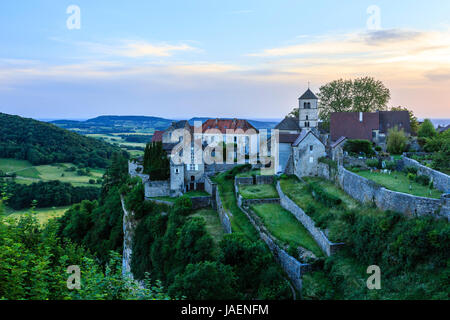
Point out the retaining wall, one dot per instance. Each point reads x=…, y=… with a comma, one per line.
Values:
x=157, y=189
x=367, y=191
x=293, y=268
x=441, y=181
x=223, y=214
x=319, y=236
x=243, y=181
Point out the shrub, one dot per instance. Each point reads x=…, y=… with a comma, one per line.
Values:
x=411, y=177
x=391, y=165
x=372, y=163
x=322, y=196
x=396, y=141
x=359, y=146
x=378, y=148
x=412, y=170
x=423, y=180
x=426, y=129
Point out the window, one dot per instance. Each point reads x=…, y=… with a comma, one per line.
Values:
x=307, y=124
x=311, y=148
x=307, y=105
x=307, y=118
x=177, y=171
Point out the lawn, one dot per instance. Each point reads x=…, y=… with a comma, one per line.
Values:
x=213, y=225
x=298, y=192
x=27, y=173
x=258, y=191
x=285, y=227
x=239, y=221
x=251, y=173
x=42, y=214
x=398, y=181
x=190, y=194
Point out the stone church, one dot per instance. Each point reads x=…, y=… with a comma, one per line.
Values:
x=300, y=143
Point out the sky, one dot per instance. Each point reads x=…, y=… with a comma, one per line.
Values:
x=208, y=58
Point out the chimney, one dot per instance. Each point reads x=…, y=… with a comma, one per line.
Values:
x=360, y=117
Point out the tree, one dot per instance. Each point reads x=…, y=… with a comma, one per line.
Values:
x=426, y=129
x=205, y=281
x=396, y=141
x=156, y=162
x=360, y=95
x=414, y=123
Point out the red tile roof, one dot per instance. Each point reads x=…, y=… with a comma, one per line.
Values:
x=224, y=124
x=157, y=136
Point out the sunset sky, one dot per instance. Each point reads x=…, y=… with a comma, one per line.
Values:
x=179, y=59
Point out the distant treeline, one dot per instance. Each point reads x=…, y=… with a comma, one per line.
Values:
x=43, y=143
x=46, y=194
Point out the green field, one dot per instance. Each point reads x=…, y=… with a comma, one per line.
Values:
x=27, y=173
x=42, y=214
x=115, y=139
x=213, y=225
x=398, y=181
x=258, y=191
x=285, y=227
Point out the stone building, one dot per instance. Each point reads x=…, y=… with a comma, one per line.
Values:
x=306, y=151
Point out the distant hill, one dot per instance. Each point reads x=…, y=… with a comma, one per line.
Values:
x=44, y=143
x=114, y=124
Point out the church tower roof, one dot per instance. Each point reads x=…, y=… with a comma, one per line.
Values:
x=308, y=95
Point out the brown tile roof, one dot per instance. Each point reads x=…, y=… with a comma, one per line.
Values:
x=347, y=124
x=390, y=119
x=224, y=124
x=157, y=136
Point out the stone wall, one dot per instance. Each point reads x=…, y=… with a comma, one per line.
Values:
x=326, y=245
x=201, y=202
x=157, y=189
x=262, y=179
x=367, y=191
x=323, y=170
x=214, y=168
x=243, y=180
x=293, y=268
x=251, y=202
x=210, y=186
x=223, y=214
x=441, y=181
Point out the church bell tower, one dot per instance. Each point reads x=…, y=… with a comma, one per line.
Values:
x=308, y=112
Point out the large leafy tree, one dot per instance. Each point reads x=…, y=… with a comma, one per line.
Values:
x=426, y=129
x=359, y=95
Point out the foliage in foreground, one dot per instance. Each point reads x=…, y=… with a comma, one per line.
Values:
x=34, y=261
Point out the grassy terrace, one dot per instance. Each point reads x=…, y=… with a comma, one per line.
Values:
x=398, y=181
x=213, y=225
x=190, y=194
x=325, y=217
x=285, y=227
x=251, y=173
x=260, y=191
x=239, y=221
x=42, y=214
